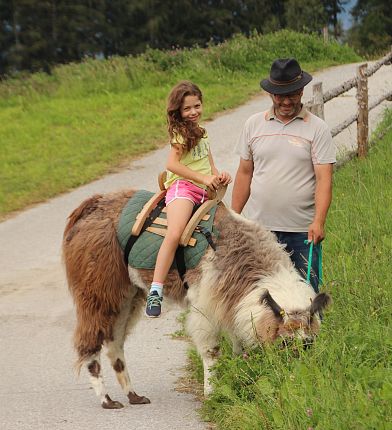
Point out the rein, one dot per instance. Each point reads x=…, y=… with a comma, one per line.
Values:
x=310, y=258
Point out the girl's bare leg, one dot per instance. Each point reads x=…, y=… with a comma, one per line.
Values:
x=178, y=213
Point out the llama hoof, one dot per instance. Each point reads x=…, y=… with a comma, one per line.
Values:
x=134, y=399
x=111, y=404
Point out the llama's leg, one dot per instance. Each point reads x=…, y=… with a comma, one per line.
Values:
x=204, y=333
x=115, y=352
x=127, y=318
x=96, y=379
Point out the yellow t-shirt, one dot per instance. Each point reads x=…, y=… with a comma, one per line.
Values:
x=196, y=159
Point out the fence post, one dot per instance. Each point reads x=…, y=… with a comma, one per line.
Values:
x=363, y=114
x=318, y=101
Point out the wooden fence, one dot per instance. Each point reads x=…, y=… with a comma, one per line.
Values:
x=360, y=81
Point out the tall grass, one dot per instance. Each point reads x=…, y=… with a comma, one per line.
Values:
x=63, y=130
x=345, y=380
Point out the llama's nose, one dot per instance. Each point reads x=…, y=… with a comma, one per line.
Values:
x=307, y=343
x=286, y=342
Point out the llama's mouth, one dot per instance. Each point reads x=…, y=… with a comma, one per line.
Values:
x=295, y=345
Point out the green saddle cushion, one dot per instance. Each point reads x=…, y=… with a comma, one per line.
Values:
x=144, y=252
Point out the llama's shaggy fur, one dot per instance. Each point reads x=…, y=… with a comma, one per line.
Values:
x=247, y=287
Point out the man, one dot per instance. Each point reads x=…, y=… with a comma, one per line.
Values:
x=286, y=165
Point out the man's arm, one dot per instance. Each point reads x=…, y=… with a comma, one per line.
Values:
x=323, y=197
x=241, y=189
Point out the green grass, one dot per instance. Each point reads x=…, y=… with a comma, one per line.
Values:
x=345, y=380
x=60, y=131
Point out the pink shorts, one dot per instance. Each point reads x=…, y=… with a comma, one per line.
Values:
x=182, y=189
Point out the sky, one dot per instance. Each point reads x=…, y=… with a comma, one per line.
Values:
x=345, y=17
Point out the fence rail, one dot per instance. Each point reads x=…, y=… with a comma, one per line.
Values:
x=360, y=81
x=339, y=128
x=351, y=83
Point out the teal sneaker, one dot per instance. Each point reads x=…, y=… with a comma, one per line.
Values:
x=153, y=307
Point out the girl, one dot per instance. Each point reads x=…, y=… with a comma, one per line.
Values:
x=190, y=171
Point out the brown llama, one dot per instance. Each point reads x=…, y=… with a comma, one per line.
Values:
x=247, y=287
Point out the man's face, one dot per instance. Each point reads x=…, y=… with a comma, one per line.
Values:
x=287, y=106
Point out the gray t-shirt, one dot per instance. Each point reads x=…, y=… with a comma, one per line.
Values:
x=283, y=155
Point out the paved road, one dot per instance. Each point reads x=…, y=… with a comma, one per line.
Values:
x=39, y=389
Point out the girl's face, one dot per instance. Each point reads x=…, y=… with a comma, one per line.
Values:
x=191, y=108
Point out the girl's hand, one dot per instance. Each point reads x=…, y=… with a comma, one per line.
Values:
x=225, y=178
x=212, y=182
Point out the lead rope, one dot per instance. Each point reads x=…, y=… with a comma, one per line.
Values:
x=310, y=258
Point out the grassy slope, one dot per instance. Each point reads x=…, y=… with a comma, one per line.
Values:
x=344, y=381
x=60, y=131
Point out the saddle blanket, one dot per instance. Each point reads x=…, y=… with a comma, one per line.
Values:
x=144, y=252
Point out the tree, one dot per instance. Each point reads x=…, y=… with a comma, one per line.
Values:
x=28, y=44
x=39, y=34
x=305, y=15
x=372, y=29
x=8, y=34
x=333, y=8
x=36, y=34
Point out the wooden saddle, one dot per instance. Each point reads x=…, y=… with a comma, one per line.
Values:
x=160, y=227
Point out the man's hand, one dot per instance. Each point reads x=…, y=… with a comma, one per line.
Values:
x=316, y=232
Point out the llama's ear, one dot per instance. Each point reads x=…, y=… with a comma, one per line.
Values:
x=270, y=302
x=320, y=302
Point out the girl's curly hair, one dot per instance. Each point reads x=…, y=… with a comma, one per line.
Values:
x=191, y=132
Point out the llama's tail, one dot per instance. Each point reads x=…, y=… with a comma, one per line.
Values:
x=85, y=208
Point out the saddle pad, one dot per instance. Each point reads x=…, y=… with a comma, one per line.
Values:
x=145, y=250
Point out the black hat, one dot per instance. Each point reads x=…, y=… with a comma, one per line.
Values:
x=285, y=77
